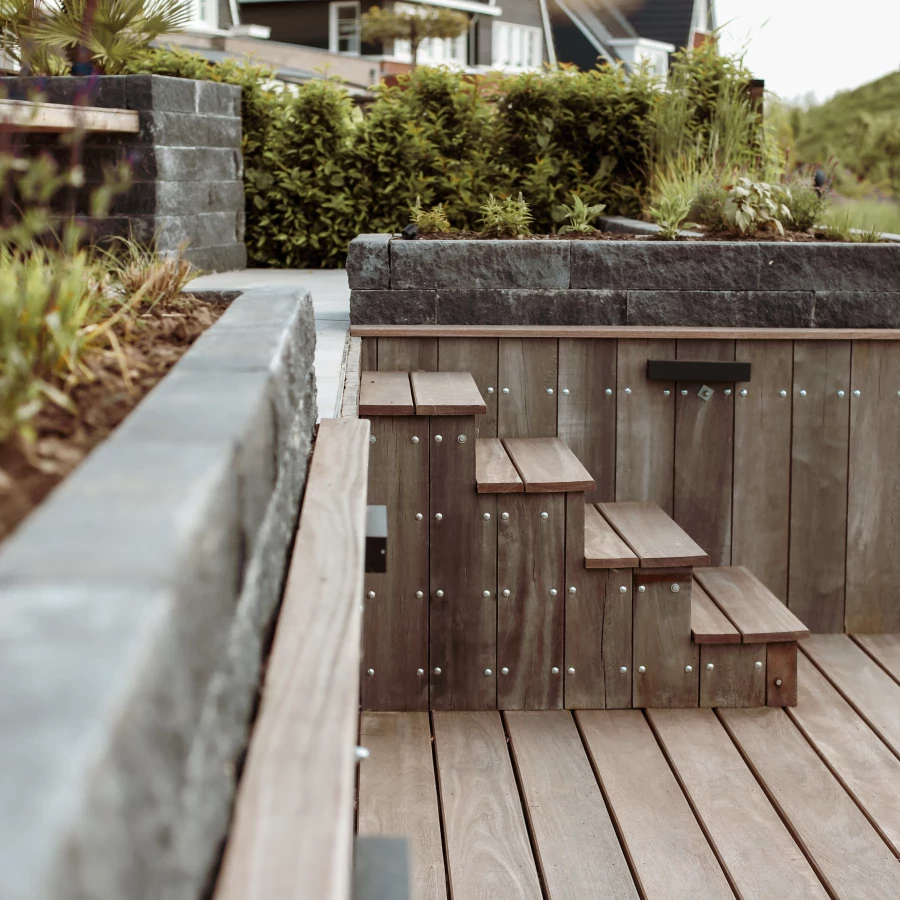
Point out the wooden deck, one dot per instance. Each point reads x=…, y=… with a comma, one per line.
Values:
x=683, y=804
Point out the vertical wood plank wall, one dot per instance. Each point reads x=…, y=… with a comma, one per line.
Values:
x=798, y=478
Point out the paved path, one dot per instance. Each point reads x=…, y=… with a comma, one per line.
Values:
x=331, y=300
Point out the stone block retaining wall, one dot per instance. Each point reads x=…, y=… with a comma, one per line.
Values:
x=186, y=162
x=135, y=606
x=642, y=283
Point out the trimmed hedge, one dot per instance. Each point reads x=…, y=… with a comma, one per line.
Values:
x=318, y=170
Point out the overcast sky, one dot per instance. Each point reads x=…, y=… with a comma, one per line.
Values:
x=819, y=46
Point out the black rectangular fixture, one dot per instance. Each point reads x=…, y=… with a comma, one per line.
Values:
x=376, y=539
x=697, y=370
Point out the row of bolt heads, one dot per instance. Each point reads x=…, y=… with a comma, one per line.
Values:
x=675, y=588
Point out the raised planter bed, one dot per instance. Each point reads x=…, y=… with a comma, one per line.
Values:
x=135, y=605
x=640, y=282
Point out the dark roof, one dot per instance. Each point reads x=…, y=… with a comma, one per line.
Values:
x=662, y=20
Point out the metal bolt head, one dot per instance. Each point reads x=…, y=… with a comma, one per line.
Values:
x=370, y=672
x=490, y=390
x=552, y=592
x=642, y=588
x=684, y=392
x=485, y=594
x=565, y=392
x=506, y=592
x=688, y=669
x=709, y=667
x=642, y=669
x=505, y=390
x=778, y=682
x=414, y=440
x=758, y=664
x=667, y=393
x=782, y=393
x=627, y=390
x=802, y=393
x=570, y=670
x=488, y=672
x=857, y=393
x=504, y=671
x=461, y=439
x=608, y=392
x=743, y=392
x=554, y=670
x=361, y=753
x=438, y=517
x=504, y=516
x=371, y=438
x=545, y=515
x=419, y=517
x=573, y=590
x=420, y=672
x=486, y=517
x=437, y=671
x=371, y=595
x=727, y=392
x=438, y=594
x=675, y=588
x=623, y=670
x=623, y=589
x=842, y=394
x=419, y=595
x=438, y=438
x=550, y=391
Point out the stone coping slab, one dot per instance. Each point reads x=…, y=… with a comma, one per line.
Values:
x=134, y=608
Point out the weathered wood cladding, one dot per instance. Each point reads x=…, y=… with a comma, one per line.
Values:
x=814, y=435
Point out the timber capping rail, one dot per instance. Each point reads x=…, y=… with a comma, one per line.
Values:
x=30, y=116
x=292, y=835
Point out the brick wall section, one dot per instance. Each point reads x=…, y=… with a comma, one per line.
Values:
x=186, y=161
x=641, y=283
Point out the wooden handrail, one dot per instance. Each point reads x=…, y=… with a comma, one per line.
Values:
x=292, y=835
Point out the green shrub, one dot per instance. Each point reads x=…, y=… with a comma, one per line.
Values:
x=505, y=218
x=709, y=207
x=429, y=221
x=757, y=206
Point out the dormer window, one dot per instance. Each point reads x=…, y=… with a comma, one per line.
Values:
x=343, y=30
x=637, y=51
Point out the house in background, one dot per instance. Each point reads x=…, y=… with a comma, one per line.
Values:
x=628, y=31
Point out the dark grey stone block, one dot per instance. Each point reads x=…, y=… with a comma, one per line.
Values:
x=216, y=99
x=225, y=196
x=197, y=164
x=857, y=309
x=722, y=309
x=830, y=267
x=107, y=91
x=393, y=307
x=223, y=131
x=368, y=262
x=524, y=307
x=161, y=93
x=227, y=258
x=480, y=264
x=183, y=197
x=174, y=129
x=665, y=265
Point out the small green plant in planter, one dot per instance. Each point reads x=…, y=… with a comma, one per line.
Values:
x=671, y=216
x=839, y=227
x=506, y=218
x=757, y=206
x=579, y=214
x=429, y=221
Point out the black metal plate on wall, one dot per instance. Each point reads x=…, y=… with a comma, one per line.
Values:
x=697, y=370
x=376, y=539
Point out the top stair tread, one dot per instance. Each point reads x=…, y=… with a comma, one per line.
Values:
x=446, y=394
x=494, y=471
x=751, y=607
x=385, y=394
x=709, y=625
x=603, y=548
x=548, y=465
x=653, y=536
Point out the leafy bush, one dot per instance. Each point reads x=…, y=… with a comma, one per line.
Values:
x=580, y=216
x=671, y=216
x=709, y=207
x=429, y=221
x=757, y=206
x=506, y=218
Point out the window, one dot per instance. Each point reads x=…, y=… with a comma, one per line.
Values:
x=635, y=51
x=204, y=14
x=517, y=46
x=343, y=27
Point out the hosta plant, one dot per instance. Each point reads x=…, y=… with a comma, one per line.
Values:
x=579, y=214
x=671, y=216
x=757, y=206
x=506, y=218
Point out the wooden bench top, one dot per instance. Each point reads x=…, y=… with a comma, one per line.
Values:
x=653, y=536
x=494, y=471
x=709, y=625
x=603, y=548
x=446, y=394
x=548, y=465
x=30, y=116
x=385, y=394
x=751, y=607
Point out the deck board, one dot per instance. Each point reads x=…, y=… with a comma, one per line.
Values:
x=843, y=847
x=446, y=394
x=669, y=853
x=547, y=464
x=861, y=681
x=494, y=471
x=863, y=764
x=652, y=535
x=398, y=795
x=560, y=791
x=385, y=394
x=884, y=649
x=709, y=625
x=752, y=842
x=603, y=548
x=488, y=852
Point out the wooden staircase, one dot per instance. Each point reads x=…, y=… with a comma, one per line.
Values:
x=505, y=590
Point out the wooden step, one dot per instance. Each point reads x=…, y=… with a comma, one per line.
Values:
x=750, y=606
x=709, y=625
x=603, y=548
x=547, y=465
x=494, y=471
x=656, y=540
x=385, y=394
x=446, y=394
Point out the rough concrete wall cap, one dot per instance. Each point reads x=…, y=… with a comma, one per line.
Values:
x=829, y=267
x=368, y=262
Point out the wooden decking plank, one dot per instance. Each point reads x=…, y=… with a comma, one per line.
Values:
x=486, y=839
x=709, y=625
x=575, y=841
x=547, y=464
x=847, y=853
x=603, y=548
x=669, y=854
x=292, y=833
x=29, y=116
x=528, y=371
x=480, y=357
x=446, y=394
x=885, y=649
x=752, y=608
x=494, y=471
x=861, y=681
x=652, y=535
x=398, y=794
x=751, y=841
x=859, y=759
x=405, y=354
x=385, y=394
